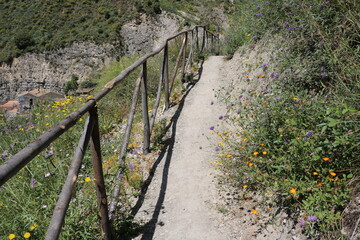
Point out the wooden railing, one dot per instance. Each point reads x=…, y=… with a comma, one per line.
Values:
x=197, y=39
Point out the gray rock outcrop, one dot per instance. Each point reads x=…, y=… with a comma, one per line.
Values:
x=52, y=69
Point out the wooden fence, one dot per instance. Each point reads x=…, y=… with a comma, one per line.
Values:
x=197, y=39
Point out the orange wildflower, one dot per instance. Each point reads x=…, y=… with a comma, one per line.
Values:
x=293, y=190
x=256, y=153
x=254, y=211
x=333, y=174
x=326, y=159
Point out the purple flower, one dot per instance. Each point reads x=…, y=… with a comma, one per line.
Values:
x=312, y=218
x=309, y=134
x=274, y=75
x=266, y=91
x=278, y=98
x=221, y=117
x=212, y=103
x=240, y=96
x=254, y=37
x=226, y=116
x=304, y=138
x=286, y=140
x=5, y=153
x=321, y=43
x=264, y=66
x=302, y=223
x=19, y=126
x=131, y=166
x=238, y=111
x=311, y=42
x=212, y=128
x=286, y=24
x=291, y=29
x=258, y=14
x=323, y=74
x=49, y=153
x=32, y=183
x=217, y=148
x=257, y=7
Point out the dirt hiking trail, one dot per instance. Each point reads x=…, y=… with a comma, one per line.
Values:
x=180, y=201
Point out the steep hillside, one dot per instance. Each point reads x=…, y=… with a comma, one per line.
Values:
x=28, y=26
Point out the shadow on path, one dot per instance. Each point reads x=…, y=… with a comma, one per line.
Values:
x=148, y=229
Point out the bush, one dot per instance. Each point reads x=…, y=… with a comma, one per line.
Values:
x=71, y=85
x=24, y=40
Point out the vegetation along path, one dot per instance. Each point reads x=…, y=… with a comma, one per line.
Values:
x=179, y=202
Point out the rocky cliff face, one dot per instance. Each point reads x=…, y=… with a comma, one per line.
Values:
x=148, y=33
x=53, y=69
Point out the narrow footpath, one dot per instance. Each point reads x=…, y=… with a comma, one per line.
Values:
x=180, y=201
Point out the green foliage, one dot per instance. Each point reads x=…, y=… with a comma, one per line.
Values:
x=298, y=140
x=46, y=25
x=71, y=85
x=302, y=150
x=320, y=38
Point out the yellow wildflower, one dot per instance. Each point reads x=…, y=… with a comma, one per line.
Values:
x=264, y=152
x=293, y=190
x=27, y=235
x=34, y=226
x=315, y=173
x=245, y=186
x=11, y=236
x=87, y=179
x=256, y=153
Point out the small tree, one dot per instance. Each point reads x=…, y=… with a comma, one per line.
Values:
x=72, y=85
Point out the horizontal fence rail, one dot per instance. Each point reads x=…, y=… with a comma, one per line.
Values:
x=197, y=39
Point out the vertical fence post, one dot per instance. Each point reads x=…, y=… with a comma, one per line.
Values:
x=191, y=54
x=172, y=79
x=197, y=38
x=165, y=76
x=203, y=39
x=99, y=177
x=184, y=60
x=125, y=143
x=212, y=43
x=145, y=111
x=63, y=202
